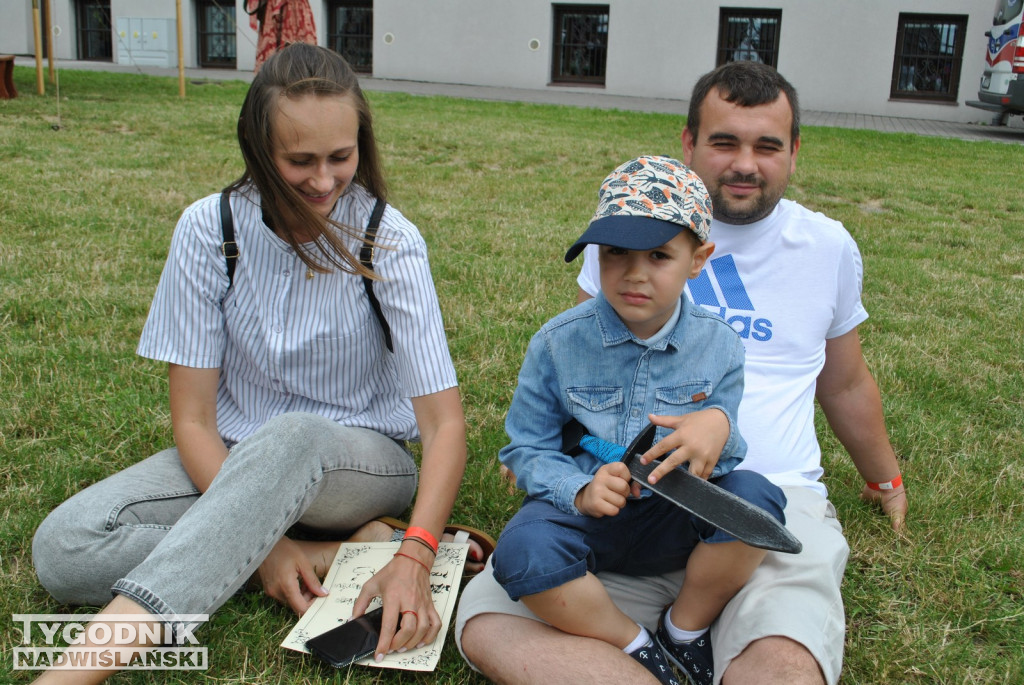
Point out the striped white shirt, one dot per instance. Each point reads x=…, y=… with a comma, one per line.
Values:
x=287, y=343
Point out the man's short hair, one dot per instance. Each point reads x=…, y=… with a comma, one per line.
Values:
x=747, y=84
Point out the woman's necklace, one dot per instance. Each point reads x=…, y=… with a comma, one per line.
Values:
x=309, y=274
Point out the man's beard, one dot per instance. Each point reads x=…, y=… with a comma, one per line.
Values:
x=729, y=211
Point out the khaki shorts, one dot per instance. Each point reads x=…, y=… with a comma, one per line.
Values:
x=791, y=595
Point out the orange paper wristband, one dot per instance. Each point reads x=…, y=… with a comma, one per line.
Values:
x=422, y=534
x=889, y=485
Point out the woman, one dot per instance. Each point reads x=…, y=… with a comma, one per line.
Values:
x=287, y=404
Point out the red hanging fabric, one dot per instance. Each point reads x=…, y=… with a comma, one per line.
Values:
x=279, y=23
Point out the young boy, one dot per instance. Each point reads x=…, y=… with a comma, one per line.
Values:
x=639, y=351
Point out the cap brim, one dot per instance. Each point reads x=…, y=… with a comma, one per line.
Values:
x=625, y=231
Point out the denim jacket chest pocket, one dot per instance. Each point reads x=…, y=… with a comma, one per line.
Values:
x=682, y=399
x=599, y=408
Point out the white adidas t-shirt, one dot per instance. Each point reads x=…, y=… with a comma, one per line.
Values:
x=786, y=284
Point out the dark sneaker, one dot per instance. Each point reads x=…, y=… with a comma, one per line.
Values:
x=653, y=659
x=694, y=659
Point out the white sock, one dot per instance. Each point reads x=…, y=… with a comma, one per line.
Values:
x=678, y=634
x=642, y=639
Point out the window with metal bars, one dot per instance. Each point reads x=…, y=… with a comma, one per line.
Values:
x=94, y=30
x=929, y=53
x=350, y=32
x=217, y=33
x=580, y=44
x=748, y=34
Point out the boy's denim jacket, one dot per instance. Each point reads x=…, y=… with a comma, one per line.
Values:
x=584, y=364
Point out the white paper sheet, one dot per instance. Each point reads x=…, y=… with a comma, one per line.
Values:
x=355, y=564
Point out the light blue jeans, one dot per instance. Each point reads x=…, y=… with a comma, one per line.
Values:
x=146, y=532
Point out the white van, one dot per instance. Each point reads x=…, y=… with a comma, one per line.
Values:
x=1002, y=84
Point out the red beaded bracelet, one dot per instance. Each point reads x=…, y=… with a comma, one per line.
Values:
x=422, y=534
x=888, y=485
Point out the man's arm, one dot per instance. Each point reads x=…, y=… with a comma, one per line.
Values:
x=852, y=404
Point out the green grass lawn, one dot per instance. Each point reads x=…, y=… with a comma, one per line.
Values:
x=499, y=191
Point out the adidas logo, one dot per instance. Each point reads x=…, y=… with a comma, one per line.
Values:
x=718, y=288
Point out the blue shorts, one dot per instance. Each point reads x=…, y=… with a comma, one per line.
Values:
x=543, y=547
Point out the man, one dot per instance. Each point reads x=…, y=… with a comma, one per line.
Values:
x=789, y=282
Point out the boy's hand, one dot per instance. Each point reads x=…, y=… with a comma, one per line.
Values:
x=892, y=502
x=697, y=438
x=606, y=494
x=508, y=477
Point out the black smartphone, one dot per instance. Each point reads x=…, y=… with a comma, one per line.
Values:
x=350, y=641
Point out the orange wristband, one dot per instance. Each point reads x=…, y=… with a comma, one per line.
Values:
x=421, y=541
x=889, y=485
x=422, y=534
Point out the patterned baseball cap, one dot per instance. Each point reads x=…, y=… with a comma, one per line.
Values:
x=645, y=203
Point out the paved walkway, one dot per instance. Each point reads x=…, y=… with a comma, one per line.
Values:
x=585, y=97
x=1014, y=133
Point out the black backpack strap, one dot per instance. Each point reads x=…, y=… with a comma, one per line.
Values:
x=229, y=248
x=366, y=259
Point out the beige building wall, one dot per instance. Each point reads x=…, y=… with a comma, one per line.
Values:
x=838, y=54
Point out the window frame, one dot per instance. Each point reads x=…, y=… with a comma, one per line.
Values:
x=336, y=36
x=559, y=55
x=724, y=52
x=204, y=59
x=955, y=61
x=83, y=32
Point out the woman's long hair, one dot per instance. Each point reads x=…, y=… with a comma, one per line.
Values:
x=298, y=70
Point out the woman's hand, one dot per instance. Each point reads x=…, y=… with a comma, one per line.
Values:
x=289, y=576
x=697, y=438
x=403, y=586
x=409, y=619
